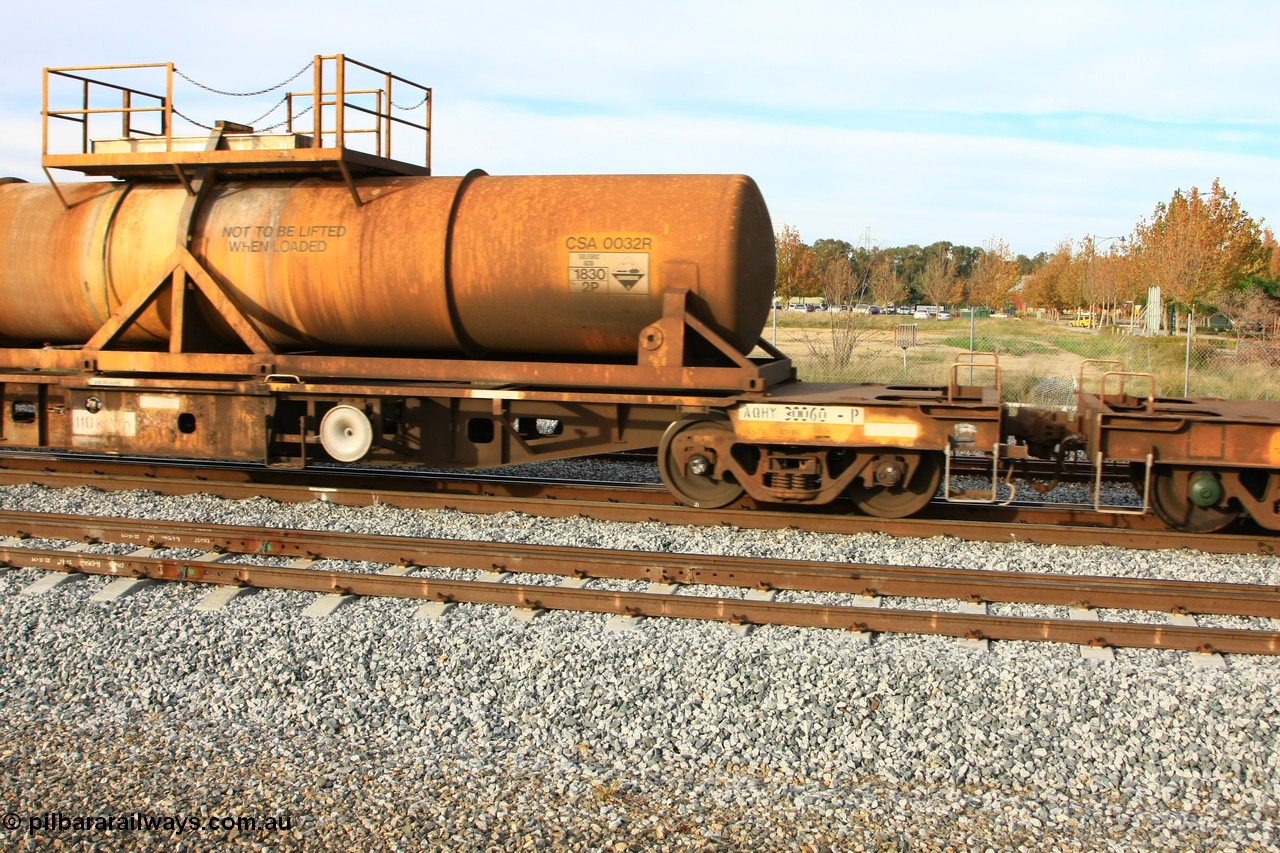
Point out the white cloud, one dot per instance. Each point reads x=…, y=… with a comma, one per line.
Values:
x=906, y=187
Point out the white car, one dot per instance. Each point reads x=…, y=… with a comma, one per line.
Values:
x=944, y=315
x=920, y=315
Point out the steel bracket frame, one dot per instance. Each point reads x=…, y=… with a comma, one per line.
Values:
x=178, y=266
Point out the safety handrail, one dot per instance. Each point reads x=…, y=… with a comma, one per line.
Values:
x=334, y=105
x=972, y=360
x=1107, y=375
x=88, y=88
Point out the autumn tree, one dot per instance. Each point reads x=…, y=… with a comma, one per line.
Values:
x=1053, y=286
x=1197, y=246
x=1271, y=251
x=1253, y=306
x=938, y=283
x=1251, y=310
x=994, y=277
x=883, y=282
x=909, y=263
x=1127, y=275
x=840, y=284
x=1106, y=280
x=797, y=271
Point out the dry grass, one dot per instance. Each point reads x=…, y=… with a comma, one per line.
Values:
x=1033, y=355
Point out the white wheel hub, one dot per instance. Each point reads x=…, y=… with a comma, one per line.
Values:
x=346, y=434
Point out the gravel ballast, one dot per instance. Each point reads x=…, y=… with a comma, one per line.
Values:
x=370, y=729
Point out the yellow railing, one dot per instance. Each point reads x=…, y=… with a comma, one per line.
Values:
x=91, y=92
x=352, y=105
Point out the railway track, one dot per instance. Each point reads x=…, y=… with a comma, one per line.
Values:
x=1061, y=524
x=579, y=567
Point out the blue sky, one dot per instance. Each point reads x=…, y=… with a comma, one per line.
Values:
x=1028, y=122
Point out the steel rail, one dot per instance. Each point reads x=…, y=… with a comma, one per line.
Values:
x=1072, y=471
x=978, y=585
x=1043, y=525
x=664, y=605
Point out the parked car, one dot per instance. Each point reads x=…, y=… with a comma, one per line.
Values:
x=920, y=314
x=944, y=315
x=905, y=310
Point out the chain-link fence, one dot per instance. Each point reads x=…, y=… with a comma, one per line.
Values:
x=1039, y=358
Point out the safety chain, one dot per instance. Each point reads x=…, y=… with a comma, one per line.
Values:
x=426, y=95
x=274, y=107
x=301, y=71
x=415, y=106
x=253, y=123
x=283, y=123
x=188, y=118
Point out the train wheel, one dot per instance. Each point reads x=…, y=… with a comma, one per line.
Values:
x=687, y=458
x=1187, y=500
x=896, y=495
x=345, y=433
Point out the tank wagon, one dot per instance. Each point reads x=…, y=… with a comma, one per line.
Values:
x=292, y=296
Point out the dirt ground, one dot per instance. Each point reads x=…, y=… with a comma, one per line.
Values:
x=876, y=348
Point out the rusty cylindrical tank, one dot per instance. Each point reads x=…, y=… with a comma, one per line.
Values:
x=550, y=264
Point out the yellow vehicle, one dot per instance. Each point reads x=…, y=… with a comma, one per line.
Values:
x=1082, y=322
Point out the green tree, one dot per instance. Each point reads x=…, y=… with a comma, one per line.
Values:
x=1027, y=266
x=827, y=250
x=909, y=262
